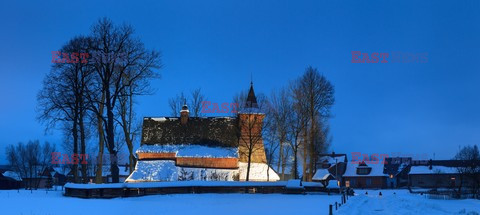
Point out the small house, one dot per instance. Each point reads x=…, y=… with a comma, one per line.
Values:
x=365, y=174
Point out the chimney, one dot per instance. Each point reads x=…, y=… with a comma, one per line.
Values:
x=184, y=114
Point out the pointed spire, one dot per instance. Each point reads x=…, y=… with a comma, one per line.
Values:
x=251, y=98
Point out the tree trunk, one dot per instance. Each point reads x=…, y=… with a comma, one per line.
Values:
x=280, y=160
x=305, y=154
x=312, y=141
x=248, y=165
x=311, y=161
x=129, y=142
x=75, y=148
x=83, y=148
x=127, y=131
x=101, y=147
x=295, y=163
x=268, y=171
x=101, y=142
x=110, y=130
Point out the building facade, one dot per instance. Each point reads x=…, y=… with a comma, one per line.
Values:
x=204, y=148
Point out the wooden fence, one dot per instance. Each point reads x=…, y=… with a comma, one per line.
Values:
x=113, y=192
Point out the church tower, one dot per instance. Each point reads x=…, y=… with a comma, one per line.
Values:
x=251, y=123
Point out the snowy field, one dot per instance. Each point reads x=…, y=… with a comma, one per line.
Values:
x=402, y=202
x=42, y=203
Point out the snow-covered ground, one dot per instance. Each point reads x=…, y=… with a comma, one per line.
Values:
x=52, y=203
x=402, y=202
x=40, y=203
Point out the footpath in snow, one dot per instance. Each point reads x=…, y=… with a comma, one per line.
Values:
x=402, y=202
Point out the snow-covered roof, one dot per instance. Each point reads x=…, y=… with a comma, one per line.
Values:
x=376, y=170
x=258, y=172
x=332, y=184
x=417, y=170
x=161, y=170
x=13, y=175
x=61, y=170
x=333, y=159
x=294, y=183
x=159, y=119
x=321, y=175
x=186, y=150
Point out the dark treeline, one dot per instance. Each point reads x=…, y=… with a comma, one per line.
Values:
x=94, y=100
x=29, y=160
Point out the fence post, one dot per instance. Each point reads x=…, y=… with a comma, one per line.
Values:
x=330, y=210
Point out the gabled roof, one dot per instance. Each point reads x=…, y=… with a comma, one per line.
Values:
x=448, y=163
x=322, y=175
x=440, y=166
x=332, y=159
x=396, y=165
x=377, y=169
x=12, y=175
x=61, y=170
x=425, y=170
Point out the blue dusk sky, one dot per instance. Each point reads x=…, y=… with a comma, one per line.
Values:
x=417, y=108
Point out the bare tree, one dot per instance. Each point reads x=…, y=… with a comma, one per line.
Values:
x=271, y=135
x=280, y=112
x=470, y=155
x=299, y=126
x=62, y=98
x=127, y=115
x=318, y=97
x=29, y=160
x=296, y=124
x=99, y=108
x=196, y=102
x=124, y=60
x=176, y=103
x=271, y=148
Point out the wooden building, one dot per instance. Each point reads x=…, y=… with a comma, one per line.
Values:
x=442, y=174
x=365, y=174
x=203, y=148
